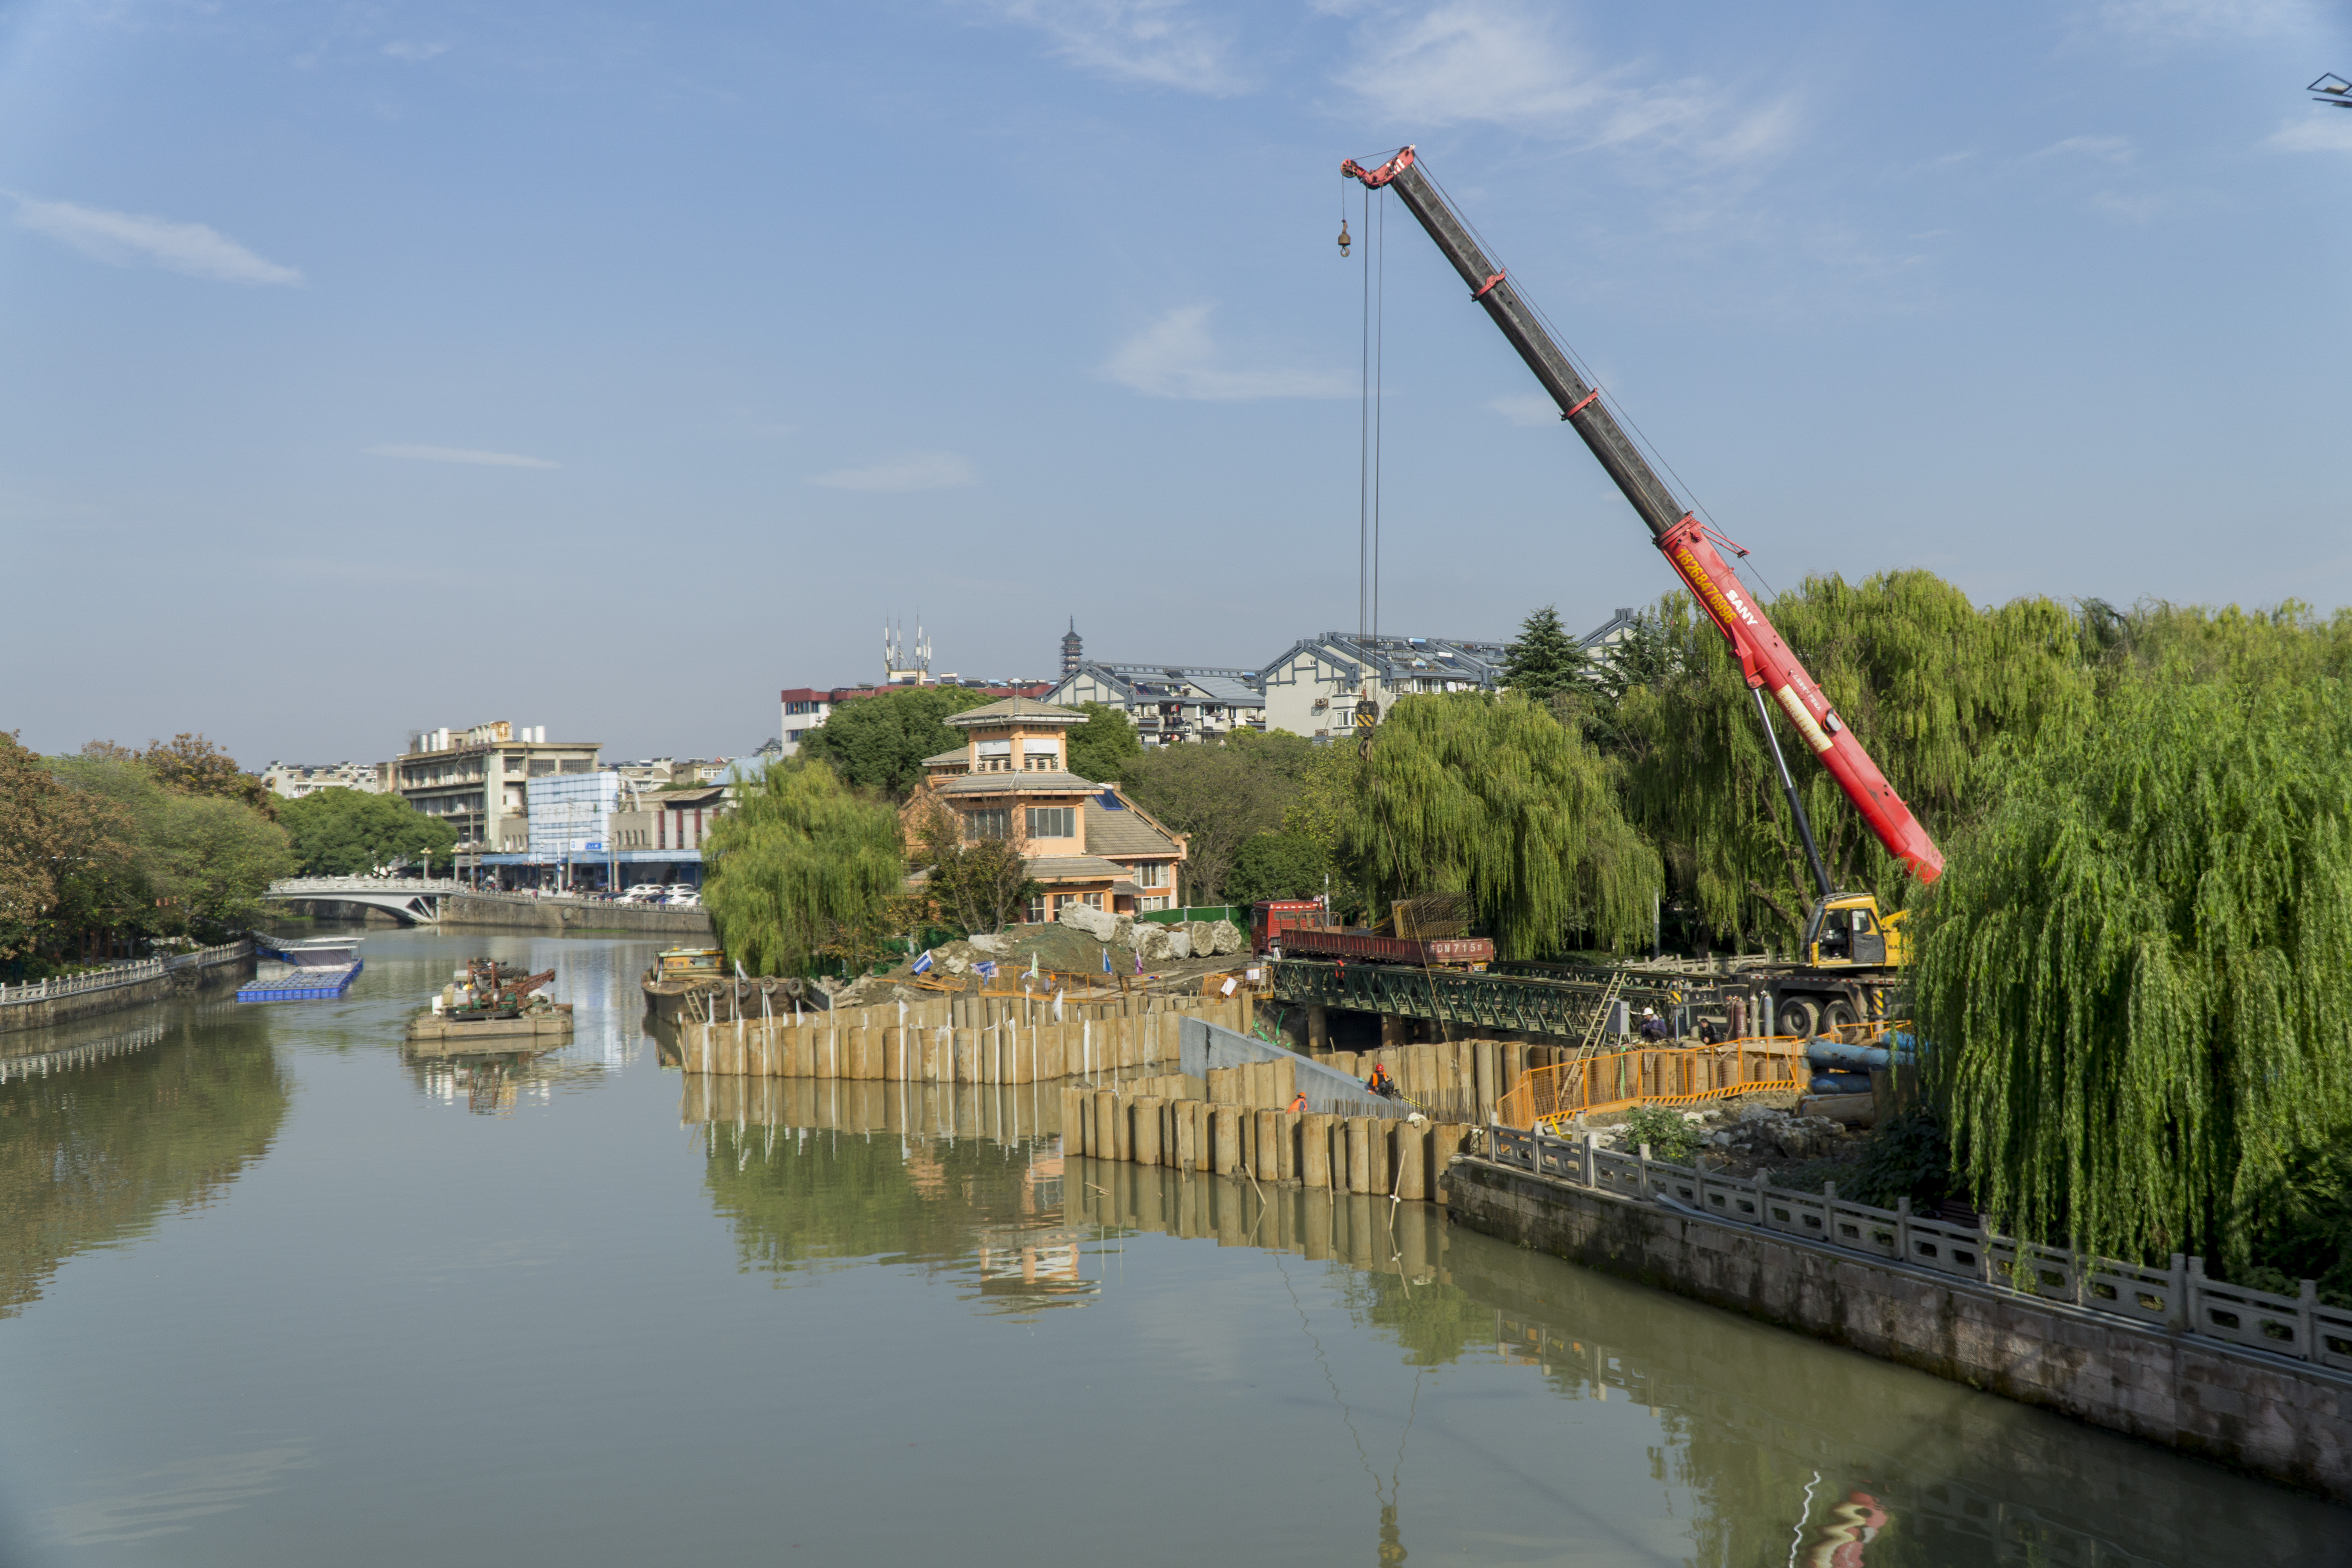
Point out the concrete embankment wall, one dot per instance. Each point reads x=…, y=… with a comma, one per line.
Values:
x=229, y=969
x=2283, y=1420
x=476, y=911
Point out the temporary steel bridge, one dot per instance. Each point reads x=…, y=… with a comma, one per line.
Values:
x=1563, y=1005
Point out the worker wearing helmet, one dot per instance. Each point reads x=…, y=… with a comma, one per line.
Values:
x=1653, y=1027
x=1381, y=1082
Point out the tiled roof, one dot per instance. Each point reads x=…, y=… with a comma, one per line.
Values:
x=1022, y=708
x=959, y=755
x=1124, y=833
x=1015, y=783
x=1073, y=869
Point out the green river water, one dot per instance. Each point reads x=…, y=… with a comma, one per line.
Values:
x=272, y=1293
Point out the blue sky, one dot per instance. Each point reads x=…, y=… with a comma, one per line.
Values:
x=375, y=367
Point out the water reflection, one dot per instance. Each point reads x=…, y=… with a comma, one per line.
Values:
x=496, y=1083
x=108, y=1128
x=1779, y=1449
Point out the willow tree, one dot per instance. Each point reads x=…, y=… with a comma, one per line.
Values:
x=805, y=868
x=1491, y=797
x=1927, y=681
x=2134, y=968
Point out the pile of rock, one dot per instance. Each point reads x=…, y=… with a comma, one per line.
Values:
x=1156, y=941
x=1757, y=1133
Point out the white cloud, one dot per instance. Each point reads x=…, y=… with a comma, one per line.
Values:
x=2320, y=133
x=1534, y=408
x=2103, y=148
x=415, y=52
x=2130, y=209
x=1175, y=357
x=125, y=239
x=2203, y=19
x=908, y=471
x=1159, y=41
x=1499, y=62
x=462, y=455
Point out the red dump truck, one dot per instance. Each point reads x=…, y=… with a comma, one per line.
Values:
x=1297, y=928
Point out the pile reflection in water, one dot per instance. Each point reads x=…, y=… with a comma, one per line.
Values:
x=108, y=1128
x=1798, y=1452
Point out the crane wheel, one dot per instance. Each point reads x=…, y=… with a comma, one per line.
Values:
x=1801, y=1016
x=1837, y=1016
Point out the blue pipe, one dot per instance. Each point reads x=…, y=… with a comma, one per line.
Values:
x=1828, y=1053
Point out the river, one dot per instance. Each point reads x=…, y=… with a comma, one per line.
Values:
x=271, y=1293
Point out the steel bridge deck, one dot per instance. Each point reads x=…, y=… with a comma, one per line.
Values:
x=1474, y=1001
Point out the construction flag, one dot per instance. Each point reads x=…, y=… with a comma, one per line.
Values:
x=1139, y=960
x=985, y=969
x=923, y=965
x=1105, y=961
x=1033, y=964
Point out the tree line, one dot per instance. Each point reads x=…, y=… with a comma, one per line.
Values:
x=2131, y=975
x=109, y=849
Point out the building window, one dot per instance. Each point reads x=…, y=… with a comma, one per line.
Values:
x=1053, y=822
x=1094, y=900
x=1158, y=903
x=1037, y=910
x=995, y=823
x=1151, y=874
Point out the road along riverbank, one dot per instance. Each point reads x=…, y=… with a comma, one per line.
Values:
x=41, y=1003
x=2157, y=1358
x=559, y=917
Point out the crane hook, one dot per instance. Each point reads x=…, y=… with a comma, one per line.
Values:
x=1344, y=241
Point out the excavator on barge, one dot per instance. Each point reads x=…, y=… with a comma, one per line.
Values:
x=1850, y=953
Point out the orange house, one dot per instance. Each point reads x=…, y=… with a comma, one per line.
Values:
x=1083, y=841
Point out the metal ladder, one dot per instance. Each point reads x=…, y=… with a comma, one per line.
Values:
x=1601, y=1013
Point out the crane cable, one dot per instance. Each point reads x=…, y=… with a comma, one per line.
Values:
x=1373, y=359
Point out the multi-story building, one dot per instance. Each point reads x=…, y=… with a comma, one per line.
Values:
x=295, y=780
x=476, y=779
x=1167, y=703
x=1082, y=840
x=804, y=708
x=1317, y=684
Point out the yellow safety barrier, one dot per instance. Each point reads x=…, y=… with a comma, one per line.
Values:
x=1667, y=1075
x=1547, y=1097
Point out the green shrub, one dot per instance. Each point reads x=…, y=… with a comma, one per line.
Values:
x=1668, y=1134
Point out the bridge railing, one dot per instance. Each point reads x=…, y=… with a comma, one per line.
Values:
x=299, y=887
x=2177, y=1295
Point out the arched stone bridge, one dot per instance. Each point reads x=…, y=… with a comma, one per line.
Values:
x=413, y=898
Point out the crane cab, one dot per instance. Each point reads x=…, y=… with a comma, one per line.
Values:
x=1848, y=929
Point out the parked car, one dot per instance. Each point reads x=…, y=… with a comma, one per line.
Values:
x=688, y=900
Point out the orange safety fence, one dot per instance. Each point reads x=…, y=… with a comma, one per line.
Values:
x=1659, y=1074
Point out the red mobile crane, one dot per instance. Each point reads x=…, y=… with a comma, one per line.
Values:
x=1764, y=658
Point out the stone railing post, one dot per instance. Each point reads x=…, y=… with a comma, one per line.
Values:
x=1903, y=1228
x=2175, y=1301
x=1645, y=1168
x=2306, y=1322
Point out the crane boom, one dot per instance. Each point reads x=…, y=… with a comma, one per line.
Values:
x=1765, y=659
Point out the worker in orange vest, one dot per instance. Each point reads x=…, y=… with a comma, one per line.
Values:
x=1381, y=1083
x=1299, y=1102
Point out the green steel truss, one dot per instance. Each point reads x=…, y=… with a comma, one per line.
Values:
x=1475, y=1002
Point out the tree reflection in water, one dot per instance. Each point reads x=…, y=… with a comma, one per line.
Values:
x=1777, y=1448
x=128, y=1125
